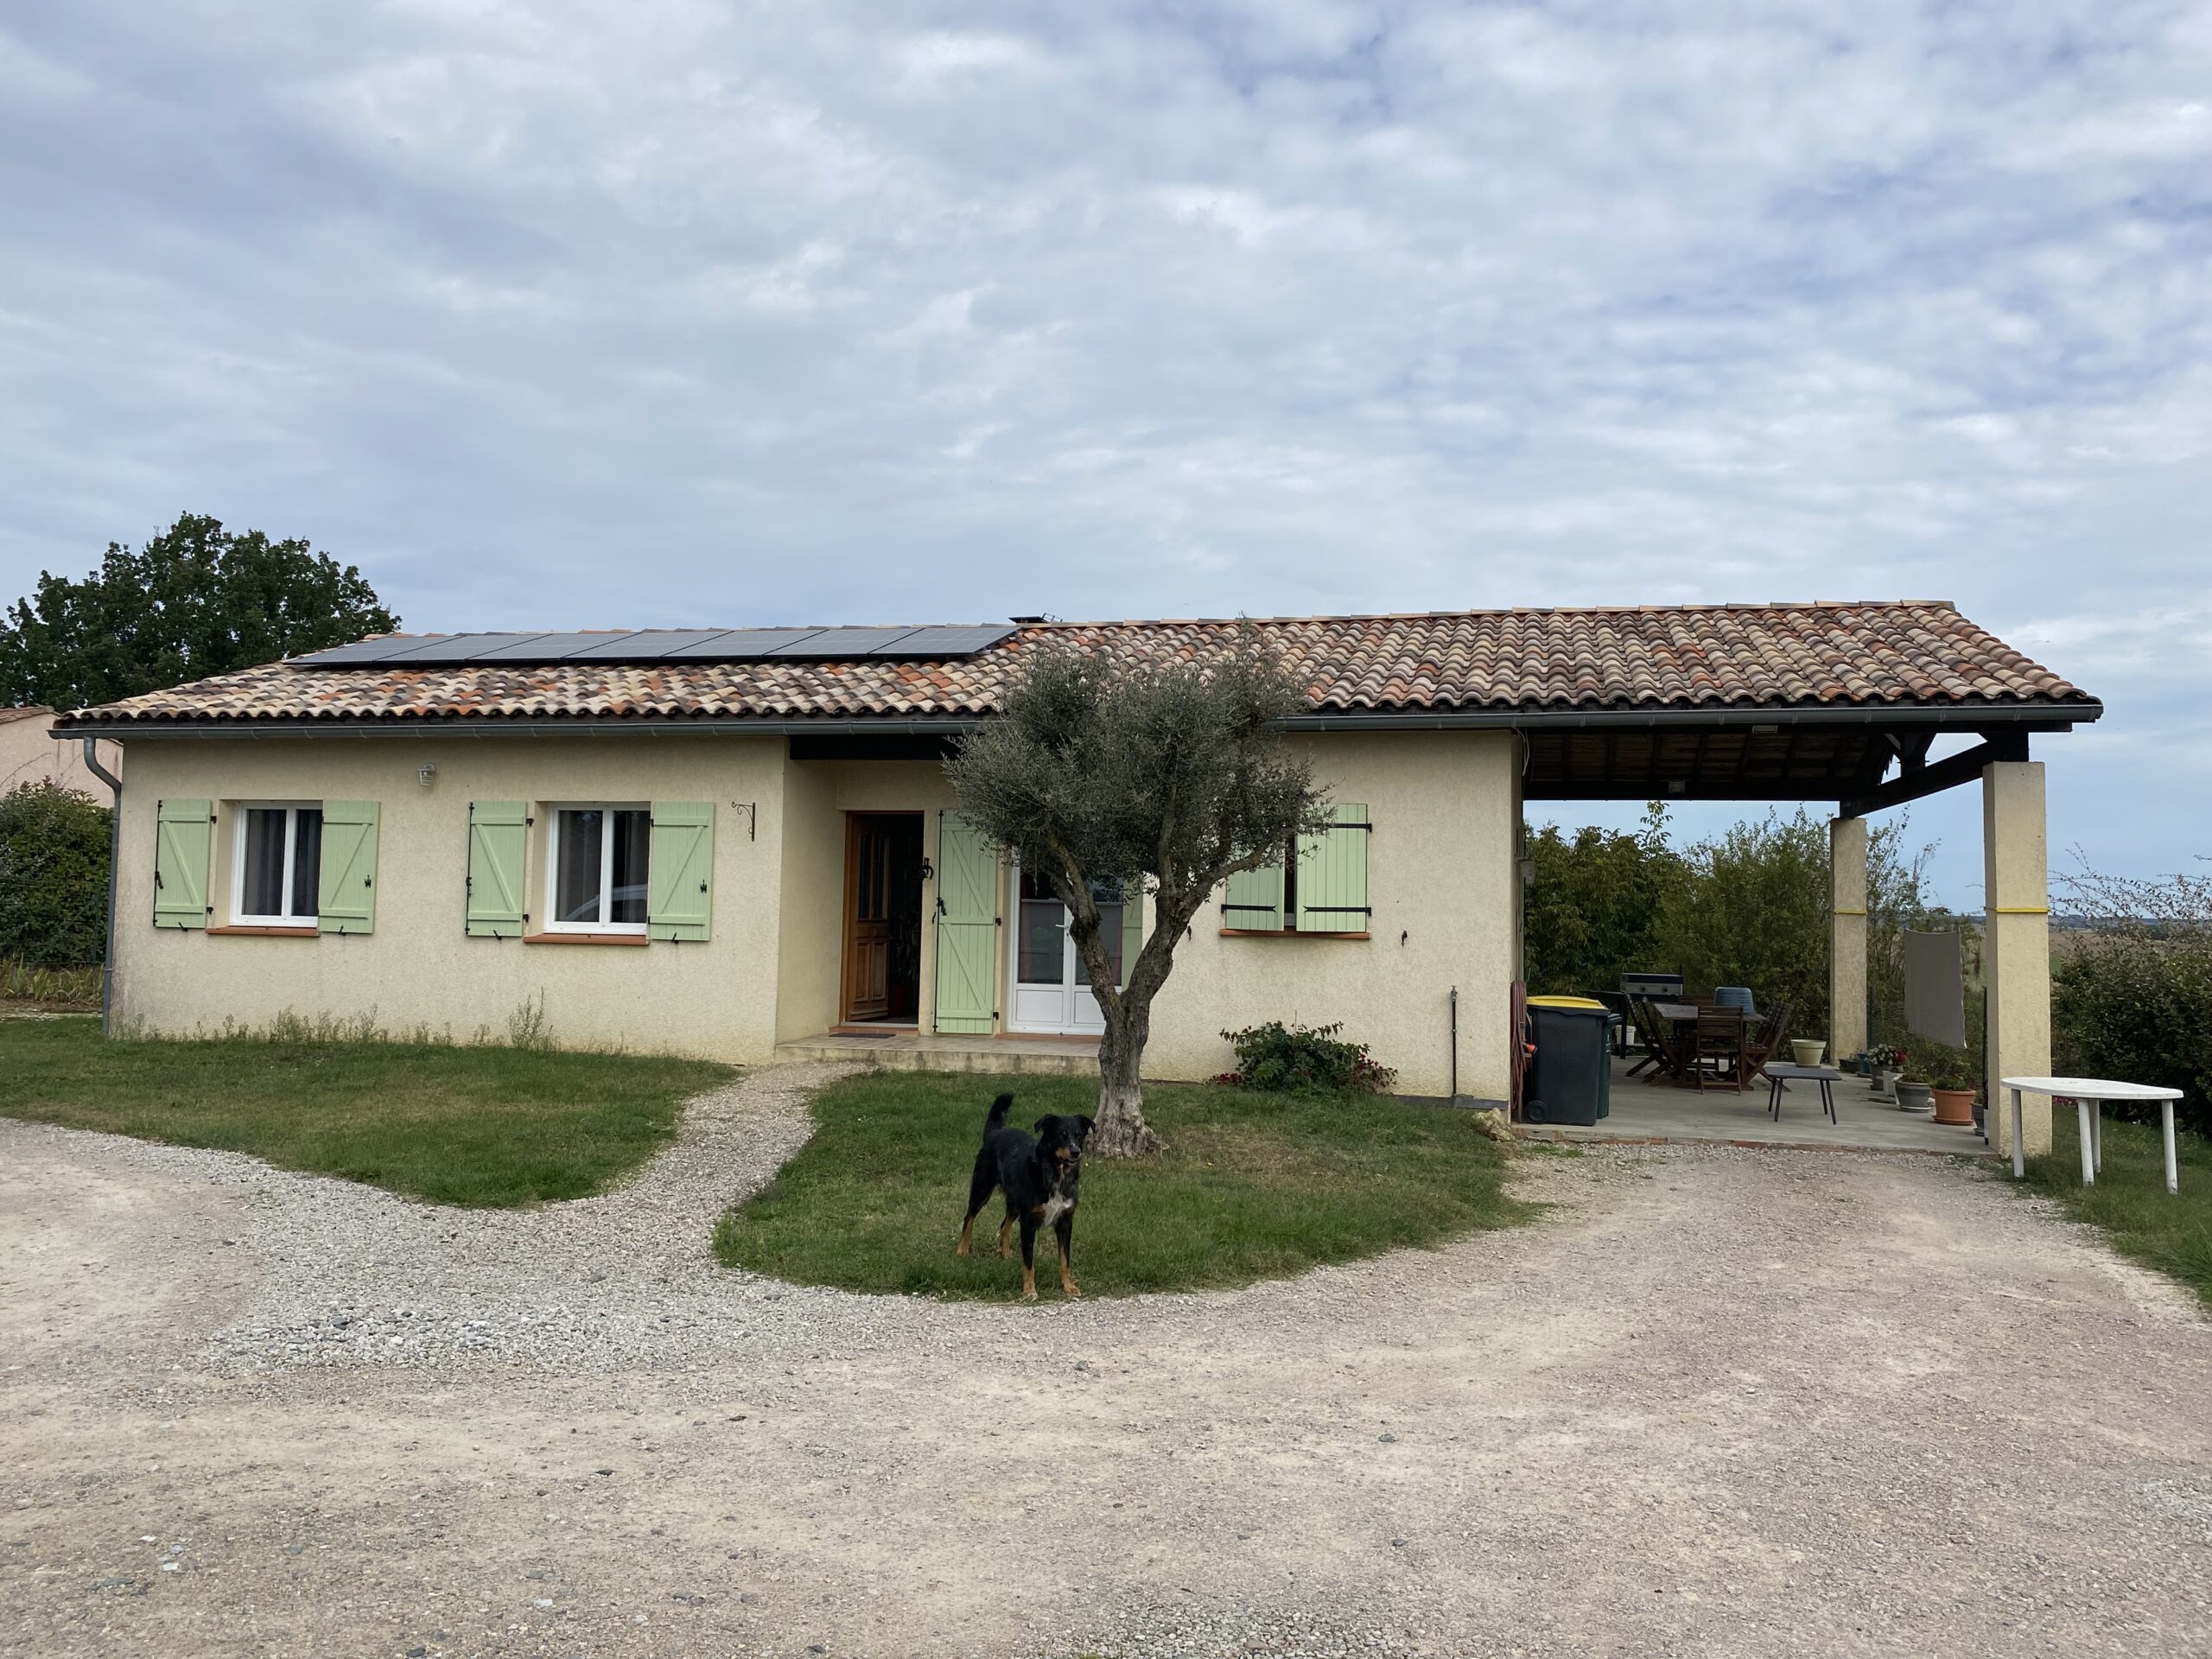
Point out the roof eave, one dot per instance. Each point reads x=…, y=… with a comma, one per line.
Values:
x=2040, y=716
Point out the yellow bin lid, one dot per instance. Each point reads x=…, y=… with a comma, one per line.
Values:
x=1565, y=1002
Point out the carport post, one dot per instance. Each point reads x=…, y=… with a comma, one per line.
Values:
x=2016, y=946
x=1846, y=937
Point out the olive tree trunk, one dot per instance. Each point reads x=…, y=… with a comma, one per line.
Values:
x=1121, y=1131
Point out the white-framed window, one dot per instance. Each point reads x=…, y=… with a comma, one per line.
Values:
x=276, y=863
x=596, y=858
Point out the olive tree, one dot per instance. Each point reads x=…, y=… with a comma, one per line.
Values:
x=1164, y=775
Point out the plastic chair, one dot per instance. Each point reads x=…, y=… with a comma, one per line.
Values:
x=1735, y=996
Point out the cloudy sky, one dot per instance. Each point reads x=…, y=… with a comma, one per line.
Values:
x=563, y=314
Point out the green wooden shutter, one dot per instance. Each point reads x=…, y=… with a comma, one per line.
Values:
x=680, y=871
x=967, y=927
x=497, y=842
x=345, y=897
x=184, y=840
x=1132, y=926
x=1254, y=900
x=1332, y=875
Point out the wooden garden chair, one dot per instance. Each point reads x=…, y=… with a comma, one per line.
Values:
x=1651, y=1032
x=1769, y=1044
x=1716, y=1047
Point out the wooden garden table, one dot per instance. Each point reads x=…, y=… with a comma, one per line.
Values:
x=2088, y=1096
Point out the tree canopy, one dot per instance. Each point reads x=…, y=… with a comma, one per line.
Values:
x=1166, y=774
x=195, y=601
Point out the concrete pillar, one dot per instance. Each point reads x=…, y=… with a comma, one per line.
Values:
x=2016, y=946
x=1846, y=937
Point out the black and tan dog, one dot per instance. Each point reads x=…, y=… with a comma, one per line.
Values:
x=1039, y=1176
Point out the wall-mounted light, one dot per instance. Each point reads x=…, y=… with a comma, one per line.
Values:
x=426, y=775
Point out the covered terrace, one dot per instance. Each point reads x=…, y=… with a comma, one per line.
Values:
x=1879, y=751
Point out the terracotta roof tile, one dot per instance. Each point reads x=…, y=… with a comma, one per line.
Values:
x=1910, y=652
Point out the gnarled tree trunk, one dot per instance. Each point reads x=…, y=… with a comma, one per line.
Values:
x=1121, y=1131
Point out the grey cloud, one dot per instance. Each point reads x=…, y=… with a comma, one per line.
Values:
x=562, y=313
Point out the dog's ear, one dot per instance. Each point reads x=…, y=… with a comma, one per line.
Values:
x=1089, y=1124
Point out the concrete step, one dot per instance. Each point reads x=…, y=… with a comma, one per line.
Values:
x=1017, y=1059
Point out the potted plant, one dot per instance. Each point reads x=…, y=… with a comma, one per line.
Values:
x=1885, y=1065
x=1950, y=1073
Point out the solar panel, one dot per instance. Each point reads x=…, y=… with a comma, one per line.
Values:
x=740, y=644
x=843, y=642
x=452, y=648
x=360, y=653
x=945, y=642
x=645, y=645
x=663, y=645
x=548, y=647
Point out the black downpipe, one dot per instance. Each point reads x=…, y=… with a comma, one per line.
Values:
x=114, y=870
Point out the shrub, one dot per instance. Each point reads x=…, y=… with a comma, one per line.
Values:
x=2133, y=998
x=1939, y=1066
x=1303, y=1060
x=54, y=846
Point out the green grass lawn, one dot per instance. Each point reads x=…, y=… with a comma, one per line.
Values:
x=1252, y=1186
x=2169, y=1231
x=483, y=1125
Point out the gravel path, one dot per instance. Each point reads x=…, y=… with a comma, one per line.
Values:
x=1718, y=1403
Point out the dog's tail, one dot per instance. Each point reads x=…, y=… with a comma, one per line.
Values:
x=1000, y=1108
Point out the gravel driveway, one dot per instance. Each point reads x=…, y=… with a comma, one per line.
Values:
x=1717, y=1403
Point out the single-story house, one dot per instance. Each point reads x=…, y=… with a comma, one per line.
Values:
x=729, y=842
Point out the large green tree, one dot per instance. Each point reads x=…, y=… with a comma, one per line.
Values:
x=1166, y=775
x=197, y=599
x=1595, y=902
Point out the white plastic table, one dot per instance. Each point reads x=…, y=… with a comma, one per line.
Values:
x=2089, y=1095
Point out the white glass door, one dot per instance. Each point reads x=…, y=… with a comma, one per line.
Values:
x=1051, y=991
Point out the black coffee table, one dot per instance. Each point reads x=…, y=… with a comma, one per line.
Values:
x=1777, y=1073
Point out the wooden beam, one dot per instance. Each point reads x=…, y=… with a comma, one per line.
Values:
x=1932, y=778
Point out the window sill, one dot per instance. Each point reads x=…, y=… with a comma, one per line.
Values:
x=258, y=930
x=585, y=938
x=1289, y=933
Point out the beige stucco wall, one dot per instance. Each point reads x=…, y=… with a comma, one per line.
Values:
x=1442, y=880
x=717, y=998
x=28, y=755
x=816, y=797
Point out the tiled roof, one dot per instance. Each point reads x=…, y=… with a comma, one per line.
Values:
x=1913, y=653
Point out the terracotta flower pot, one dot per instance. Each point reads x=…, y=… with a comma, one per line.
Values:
x=1954, y=1106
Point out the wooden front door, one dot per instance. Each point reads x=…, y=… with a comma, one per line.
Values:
x=867, y=917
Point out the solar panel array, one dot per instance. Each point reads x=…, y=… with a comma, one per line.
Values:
x=663, y=645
